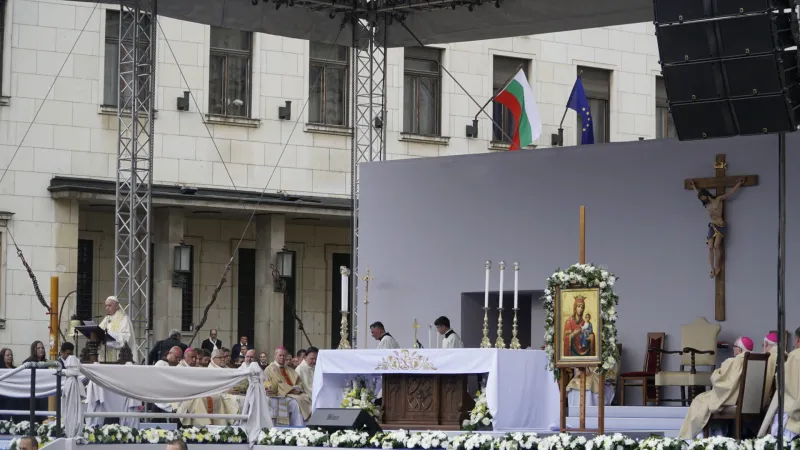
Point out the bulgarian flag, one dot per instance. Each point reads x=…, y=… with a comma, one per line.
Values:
x=517, y=96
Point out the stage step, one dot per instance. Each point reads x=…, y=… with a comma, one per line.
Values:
x=634, y=412
x=669, y=427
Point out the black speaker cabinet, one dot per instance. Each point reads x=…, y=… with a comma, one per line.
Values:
x=726, y=68
x=335, y=419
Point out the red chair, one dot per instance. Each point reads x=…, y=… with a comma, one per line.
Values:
x=647, y=377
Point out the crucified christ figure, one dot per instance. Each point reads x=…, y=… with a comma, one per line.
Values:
x=717, y=227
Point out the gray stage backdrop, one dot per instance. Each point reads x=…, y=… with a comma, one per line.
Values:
x=428, y=225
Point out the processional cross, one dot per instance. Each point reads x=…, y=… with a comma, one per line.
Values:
x=366, y=278
x=717, y=227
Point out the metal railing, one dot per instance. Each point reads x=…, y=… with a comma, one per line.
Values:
x=32, y=413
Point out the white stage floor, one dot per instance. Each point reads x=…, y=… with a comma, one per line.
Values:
x=622, y=419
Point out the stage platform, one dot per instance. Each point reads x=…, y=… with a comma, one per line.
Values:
x=633, y=420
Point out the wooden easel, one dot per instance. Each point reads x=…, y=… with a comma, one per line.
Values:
x=564, y=372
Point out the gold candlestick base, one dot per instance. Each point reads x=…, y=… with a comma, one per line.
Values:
x=344, y=343
x=500, y=343
x=514, y=341
x=485, y=342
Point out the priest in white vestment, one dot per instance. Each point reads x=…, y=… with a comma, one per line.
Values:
x=451, y=338
x=118, y=325
x=197, y=405
x=791, y=399
x=385, y=340
x=306, y=368
x=292, y=396
x=725, y=383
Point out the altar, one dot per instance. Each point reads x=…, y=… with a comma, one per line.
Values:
x=525, y=397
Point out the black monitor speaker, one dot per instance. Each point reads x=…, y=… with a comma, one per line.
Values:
x=726, y=67
x=335, y=419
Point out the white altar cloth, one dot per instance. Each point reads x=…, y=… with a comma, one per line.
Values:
x=520, y=391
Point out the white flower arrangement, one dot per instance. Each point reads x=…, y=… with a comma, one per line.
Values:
x=428, y=440
x=303, y=437
x=158, y=436
x=20, y=428
x=5, y=426
x=584, y=276
x=715, y=443
x=389, y=439
x=479, y=417
x=349, y=439
x=471, y=441
x=614, y=442
x=361, y=395
x=518, y=441
x=659, y=443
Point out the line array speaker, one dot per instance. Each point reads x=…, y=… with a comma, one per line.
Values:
x=730, y=67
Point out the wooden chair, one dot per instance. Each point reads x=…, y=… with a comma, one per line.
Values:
x=698, y=348
x=751, y=395
x=647, y=377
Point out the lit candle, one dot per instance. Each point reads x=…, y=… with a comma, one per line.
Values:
x=486, y=297
x=516, y=285
x=502, y=272
x=345, y=287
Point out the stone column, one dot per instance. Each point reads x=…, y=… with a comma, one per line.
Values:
x=270, y=238
x=168, y=232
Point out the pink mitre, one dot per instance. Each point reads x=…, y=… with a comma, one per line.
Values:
x=745, y=343
x=772, y=338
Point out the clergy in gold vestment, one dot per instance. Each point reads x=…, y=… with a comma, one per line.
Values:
x=306, y=368
x=791, y=398
x=118, y=325
x=283, y=381
x=771, y=347
x=227, y=403
x=724, y=391
x=197, y=405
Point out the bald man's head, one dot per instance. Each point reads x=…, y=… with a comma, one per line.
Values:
x=249, y=357
x=174, y=355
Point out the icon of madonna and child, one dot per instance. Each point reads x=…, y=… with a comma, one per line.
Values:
x=579, y=312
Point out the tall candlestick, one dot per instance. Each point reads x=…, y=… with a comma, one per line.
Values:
x=345, y=287
x=486, y=297
x=429, y=335
x=516, y=285
x=502, y=272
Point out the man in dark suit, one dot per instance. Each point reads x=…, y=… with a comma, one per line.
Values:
x=160, y=350
x=212, y=343
x=236, y=351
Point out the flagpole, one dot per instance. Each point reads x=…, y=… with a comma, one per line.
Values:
x=561, y=124
x=497, y=92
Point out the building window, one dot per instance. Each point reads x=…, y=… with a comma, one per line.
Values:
x=327, y=84
x=422, y=87
x=665, y=126
x=504, y=69
x=597, y=84
x=187, y=296
x=230, y=77
x=111, y=67
x=2, y=33
x=83, y=297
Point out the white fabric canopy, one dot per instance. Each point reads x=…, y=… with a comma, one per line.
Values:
x=528, y=399
x=17, y=382
x=71, y=393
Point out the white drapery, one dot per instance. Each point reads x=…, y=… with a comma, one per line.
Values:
x=176, y=384
x=16, y=383
x=71, y=393
x=524, y=377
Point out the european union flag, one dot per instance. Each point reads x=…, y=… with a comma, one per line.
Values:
x=579, y=102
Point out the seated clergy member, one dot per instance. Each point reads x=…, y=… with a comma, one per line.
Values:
x=118, y=325
x=385, y=340
x=791, y=398
x=197, y=405
x=306, y=368
x=451, y=339
x=283, y=381
x=725, y=383
x=771, y=347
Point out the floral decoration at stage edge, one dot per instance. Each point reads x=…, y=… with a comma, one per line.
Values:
x=405, y=360
x=361, y=395
x=584, y=276
x=479, y=418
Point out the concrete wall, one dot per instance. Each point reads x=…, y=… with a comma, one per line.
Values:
x=429, y=225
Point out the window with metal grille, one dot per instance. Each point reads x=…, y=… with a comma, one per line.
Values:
x=84, y=306
x=111, y=68
x=665, y=126
x=597, y=84
x=187, y=296
x=2, y=33
x=230, y=72
x=422, y=86
x=328, y=68
x=504, y=68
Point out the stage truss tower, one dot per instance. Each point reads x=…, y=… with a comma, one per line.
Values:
x=135, y=100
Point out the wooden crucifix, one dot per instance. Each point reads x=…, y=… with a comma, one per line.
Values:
x=717, y=227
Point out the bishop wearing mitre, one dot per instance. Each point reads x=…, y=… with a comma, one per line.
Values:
x=725, y=383
x=283, y=381
x=791, y=398
x=118, y=325
x=451, y=339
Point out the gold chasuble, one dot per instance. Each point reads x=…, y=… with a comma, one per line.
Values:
x=194, y=406
x=791, y=397
x=724, y=392
x=119, y=327
x=770, y=379
x=224, y=403
x=283, y=380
